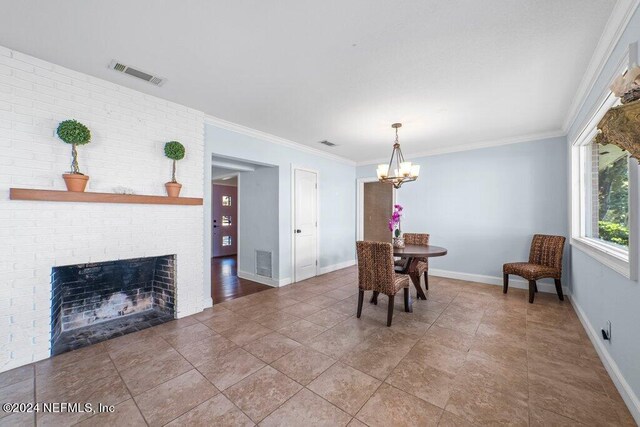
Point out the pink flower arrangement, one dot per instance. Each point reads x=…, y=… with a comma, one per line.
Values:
x=394, y=222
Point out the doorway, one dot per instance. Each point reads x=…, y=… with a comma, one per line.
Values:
x=375, y=205
x=305, y=224
x=225, y=218
x=226, y=231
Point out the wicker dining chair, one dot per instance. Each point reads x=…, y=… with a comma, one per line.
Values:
x=545, y=261
x=420, y=265
x=376, y=273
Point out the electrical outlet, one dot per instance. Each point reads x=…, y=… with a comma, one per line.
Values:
x=606, y=332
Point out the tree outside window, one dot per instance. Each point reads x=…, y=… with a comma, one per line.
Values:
x=610, y=209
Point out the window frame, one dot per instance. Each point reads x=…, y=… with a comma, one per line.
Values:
x=610, y=255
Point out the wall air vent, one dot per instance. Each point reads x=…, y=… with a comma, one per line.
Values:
x=263, y=264
x=120, y=67
x=327, y=143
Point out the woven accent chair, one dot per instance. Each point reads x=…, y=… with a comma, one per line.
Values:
x=376, y=273
x=545, y=261
x=420, y=265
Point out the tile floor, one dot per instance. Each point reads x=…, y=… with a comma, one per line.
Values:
x=298, y=356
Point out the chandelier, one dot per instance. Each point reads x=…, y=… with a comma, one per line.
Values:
x=398, y=171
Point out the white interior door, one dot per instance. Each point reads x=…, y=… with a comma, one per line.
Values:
x=305, y=224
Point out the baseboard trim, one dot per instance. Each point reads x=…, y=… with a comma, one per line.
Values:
x=625, y=390
x=334, y=267
x=492, y=280
x=322, y=270
x=259, y=279
x=284, y=282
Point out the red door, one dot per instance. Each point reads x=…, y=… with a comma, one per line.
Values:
x=225, y=220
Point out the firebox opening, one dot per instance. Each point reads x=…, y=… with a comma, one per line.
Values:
x=91, y=303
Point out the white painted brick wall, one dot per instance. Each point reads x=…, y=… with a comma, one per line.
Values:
x=128, y=131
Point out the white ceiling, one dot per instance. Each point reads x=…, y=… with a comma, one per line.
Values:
x=224, y=167
x=219, y=173
x=231, y=182
x=455, y=72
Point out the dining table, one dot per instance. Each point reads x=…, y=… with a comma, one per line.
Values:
x=412, y=254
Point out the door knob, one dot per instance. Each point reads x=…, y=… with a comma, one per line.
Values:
x=215, y=226
x=298, y=231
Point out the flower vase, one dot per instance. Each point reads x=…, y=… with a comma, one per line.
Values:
x=398, y=242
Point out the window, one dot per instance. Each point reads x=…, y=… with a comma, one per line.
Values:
x=226, y=220
x=608, y=219
x=600, y=197
x=226, y=200
x=226, y=240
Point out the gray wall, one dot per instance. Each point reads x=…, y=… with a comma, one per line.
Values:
x=336, y=188
x=484, y=205
x=599, y=292
x=258, y=212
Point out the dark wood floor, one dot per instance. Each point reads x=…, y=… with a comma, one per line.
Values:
x=226, y=285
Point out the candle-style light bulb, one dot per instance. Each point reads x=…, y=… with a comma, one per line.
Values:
x=405, y=168
x=383, y=171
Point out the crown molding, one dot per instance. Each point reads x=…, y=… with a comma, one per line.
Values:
x=473, y=146
x=244, y=130
x=613, y=30
x=223, y=124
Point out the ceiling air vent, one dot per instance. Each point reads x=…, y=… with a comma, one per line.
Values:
x=154, y=80
x=327, y=143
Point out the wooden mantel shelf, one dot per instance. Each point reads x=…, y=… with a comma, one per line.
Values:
x=69, y=196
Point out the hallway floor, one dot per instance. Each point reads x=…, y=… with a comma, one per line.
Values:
x=225, y=283
x=297, y=355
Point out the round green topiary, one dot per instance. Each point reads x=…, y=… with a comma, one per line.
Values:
x=74, y=132
x=174, y=150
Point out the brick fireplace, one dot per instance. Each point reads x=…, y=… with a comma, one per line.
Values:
x=91, y=303
x=128, y=133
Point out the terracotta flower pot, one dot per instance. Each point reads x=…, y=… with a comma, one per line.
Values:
x=75, y=181
x=173, y=189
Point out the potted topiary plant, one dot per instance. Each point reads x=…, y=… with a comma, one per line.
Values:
x=175, y=151
x=74, y=133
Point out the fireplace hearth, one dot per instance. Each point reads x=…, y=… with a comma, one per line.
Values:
x=91, y=303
